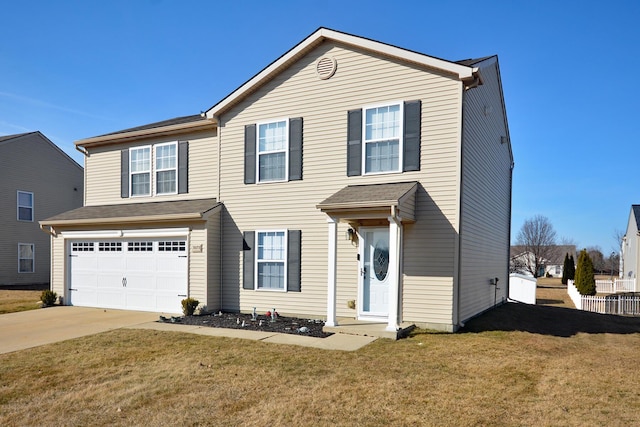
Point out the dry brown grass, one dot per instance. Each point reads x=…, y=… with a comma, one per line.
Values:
x=18, y=300
x=510, y=368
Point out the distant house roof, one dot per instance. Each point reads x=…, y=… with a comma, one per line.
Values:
x=7, y=139
x=556, y=256
x=134, y=212
x=636, y=213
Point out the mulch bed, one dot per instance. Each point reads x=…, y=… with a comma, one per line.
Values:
x=285, y=325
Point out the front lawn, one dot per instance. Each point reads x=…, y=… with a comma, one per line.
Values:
x=514, y=369
x=18, y=300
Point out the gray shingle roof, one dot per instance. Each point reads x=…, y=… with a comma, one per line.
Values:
x=169, y=122
x=636, y=213
x=131, y=211
x=370, y=195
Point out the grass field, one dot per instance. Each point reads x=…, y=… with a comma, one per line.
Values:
x=18, y=300
x=516, y=365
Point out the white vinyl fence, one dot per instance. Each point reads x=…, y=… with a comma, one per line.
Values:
x=610, y=304
x=615, y=286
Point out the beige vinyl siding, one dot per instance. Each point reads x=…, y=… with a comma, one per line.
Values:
x=33, y=164
x=58, y=267
x=198, y=263
x=212, y=249
x=361, y=79
x=103, y=170
x=486, y=187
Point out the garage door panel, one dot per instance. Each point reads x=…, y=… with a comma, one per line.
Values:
x=149, y=275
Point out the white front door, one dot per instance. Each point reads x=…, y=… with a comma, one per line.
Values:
x=374, y=272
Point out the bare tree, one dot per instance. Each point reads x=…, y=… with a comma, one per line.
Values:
x=537, y=238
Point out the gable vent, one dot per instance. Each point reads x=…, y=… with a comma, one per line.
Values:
x=326, y=67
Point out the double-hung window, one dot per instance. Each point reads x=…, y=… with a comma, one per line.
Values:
x=382, y=145
x=26, y=258
x=140, y=171
x=271, y=260
x=25, y=206
x=166, y=168
x=273, y=148
x=384, y=138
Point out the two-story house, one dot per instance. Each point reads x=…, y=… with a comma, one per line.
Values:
x=347, y=170
x=37, y=180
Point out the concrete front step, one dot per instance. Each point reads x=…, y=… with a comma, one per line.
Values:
x=369, y=329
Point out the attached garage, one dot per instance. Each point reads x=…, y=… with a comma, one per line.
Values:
x=138, y=256
x=131, y=274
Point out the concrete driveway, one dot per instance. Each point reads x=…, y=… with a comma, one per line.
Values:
x=33, y=328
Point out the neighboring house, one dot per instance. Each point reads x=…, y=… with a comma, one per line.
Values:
x=552, y=264
x=346, y=170
x=630, y=249
x=37, y=180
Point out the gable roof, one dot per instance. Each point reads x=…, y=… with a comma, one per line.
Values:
x=460, y=71
x=37, y=134
x=635, y=210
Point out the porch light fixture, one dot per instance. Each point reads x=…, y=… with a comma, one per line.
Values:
x=350, y=234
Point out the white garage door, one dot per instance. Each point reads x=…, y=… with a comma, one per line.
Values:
x=131, y=274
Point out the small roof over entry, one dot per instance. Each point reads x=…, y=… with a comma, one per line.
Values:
x=358, y=202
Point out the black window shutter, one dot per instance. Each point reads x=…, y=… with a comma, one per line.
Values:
x=124, y=173
x=411, y=153
x=295, y=149
x=250, y=154
x=354, y=143
x=247, y=259
x=293, y=260
x=183, y=167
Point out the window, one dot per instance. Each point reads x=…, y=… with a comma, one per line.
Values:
x=110, y=247
x=172, y=246
x=273, y=147
x=382, y=139
x=139, y=246
x=140, y=167
x=26, y=258
x=82, y=247
x=270, y=260
x=166, y=168
x=25, y=206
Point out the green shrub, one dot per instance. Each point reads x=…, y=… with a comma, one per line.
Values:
x=585, y=279
x=189, y=306
x=48, y=298
x=565, y=269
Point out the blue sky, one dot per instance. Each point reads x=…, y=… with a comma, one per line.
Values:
x=76, y=69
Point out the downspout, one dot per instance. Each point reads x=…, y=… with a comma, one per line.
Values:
x=222, y=209
x=509, y=225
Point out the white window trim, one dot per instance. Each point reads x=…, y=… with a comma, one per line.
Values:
x=33, y=258
x=150, y=171
x=18, y=206
x=286, y=150
x=364, y=137
x=154, y=179
x=256, y=261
